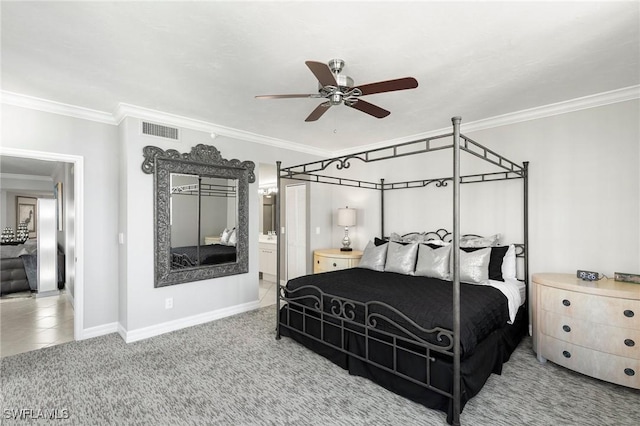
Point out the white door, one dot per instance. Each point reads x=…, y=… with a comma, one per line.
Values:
x=296, y=230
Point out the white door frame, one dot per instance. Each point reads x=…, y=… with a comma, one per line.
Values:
x=78, y=182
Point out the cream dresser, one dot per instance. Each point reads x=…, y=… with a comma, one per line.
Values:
x=590, y=327
x=333, y=259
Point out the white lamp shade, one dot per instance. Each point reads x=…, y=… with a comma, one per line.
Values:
x=346, y=217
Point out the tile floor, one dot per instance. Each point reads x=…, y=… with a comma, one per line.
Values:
x=267, y=293
x=27, y=323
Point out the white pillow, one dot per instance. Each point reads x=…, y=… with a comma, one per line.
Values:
x=401, y=258
x=474, y=266
x=374, y=257
x=224, y=237
x=233, y=237
x=433, y=262
x=509, y=263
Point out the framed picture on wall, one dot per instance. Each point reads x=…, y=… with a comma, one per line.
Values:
x=57, y=193
x=27, y=212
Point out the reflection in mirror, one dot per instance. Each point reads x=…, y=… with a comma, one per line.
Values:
x=203, y=219
x=269, y=213
x=201, y=213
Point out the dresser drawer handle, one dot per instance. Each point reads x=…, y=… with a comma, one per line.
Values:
x=566, y=354
x=628, y=313
x=629, y=372
x=566, y=328
x=629, y=342
x=318, y=262
x=565, y=302
x=334, y=265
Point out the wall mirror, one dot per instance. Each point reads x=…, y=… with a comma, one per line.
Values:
x=201, y=214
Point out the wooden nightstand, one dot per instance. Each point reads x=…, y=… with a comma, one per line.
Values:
x=333, y=260
x=592, y=327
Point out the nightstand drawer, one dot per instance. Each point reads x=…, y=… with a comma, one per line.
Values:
x=331, y=263
x=334, y=260
x=612, y=368
x=598, y=309
x=604, y=338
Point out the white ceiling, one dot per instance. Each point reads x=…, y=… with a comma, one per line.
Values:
x=207, y=60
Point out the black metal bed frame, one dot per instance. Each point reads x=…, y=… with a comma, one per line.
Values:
x=339, y=312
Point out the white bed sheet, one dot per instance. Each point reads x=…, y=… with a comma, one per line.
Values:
x=514, y=291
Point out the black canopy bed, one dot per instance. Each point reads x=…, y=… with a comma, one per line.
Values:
x=427, y=315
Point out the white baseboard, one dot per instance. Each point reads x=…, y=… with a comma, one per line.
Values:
x=69, y=297
x=49, y=293
x=99, y=330
x=130, y=336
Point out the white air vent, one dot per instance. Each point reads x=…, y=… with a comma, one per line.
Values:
x=160, y=131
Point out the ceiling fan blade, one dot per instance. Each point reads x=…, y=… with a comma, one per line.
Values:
x=389, y=86
x=315, y=95
x=317, y=113
x=370, y=109
x=322, y=73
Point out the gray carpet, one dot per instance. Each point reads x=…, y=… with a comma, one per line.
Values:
x=233, y=372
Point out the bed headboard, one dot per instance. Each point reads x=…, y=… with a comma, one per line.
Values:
x=444, y=235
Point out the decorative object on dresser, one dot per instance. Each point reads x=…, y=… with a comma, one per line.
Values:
x=628, y=278
x=334, y=260
x=346, y=218
x=592, y=327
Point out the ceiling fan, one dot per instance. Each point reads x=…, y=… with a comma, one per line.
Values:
x=339, y=89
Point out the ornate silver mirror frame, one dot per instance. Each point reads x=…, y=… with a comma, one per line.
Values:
x=203, y=160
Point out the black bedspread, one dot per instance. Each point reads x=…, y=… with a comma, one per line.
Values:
x=212, y=254
x=426, y=301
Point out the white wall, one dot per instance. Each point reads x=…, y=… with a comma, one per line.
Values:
x=586, y=155
x=145, y=311
x=584, y=191
x=98, y=143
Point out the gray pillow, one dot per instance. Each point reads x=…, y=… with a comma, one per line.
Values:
x=474, y=266
x=433, y=262
x=493, y=240
x=374, y=257
x=401, y=258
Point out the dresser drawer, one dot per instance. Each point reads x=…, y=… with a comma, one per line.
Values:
x=603, y=366
x=604, y=338
x=598, y=309
x=330, y=263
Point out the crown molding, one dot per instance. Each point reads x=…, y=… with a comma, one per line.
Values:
x=39, y=104
x=127, y=110
x=124, y=110
x=585, y=102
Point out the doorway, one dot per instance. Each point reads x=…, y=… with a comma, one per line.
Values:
x=71, y=233
x=296, y=230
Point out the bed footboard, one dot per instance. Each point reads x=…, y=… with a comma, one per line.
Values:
x=372, y=332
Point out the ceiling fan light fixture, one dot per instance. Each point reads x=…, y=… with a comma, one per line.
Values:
x=344, y=81
x=339, y=89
